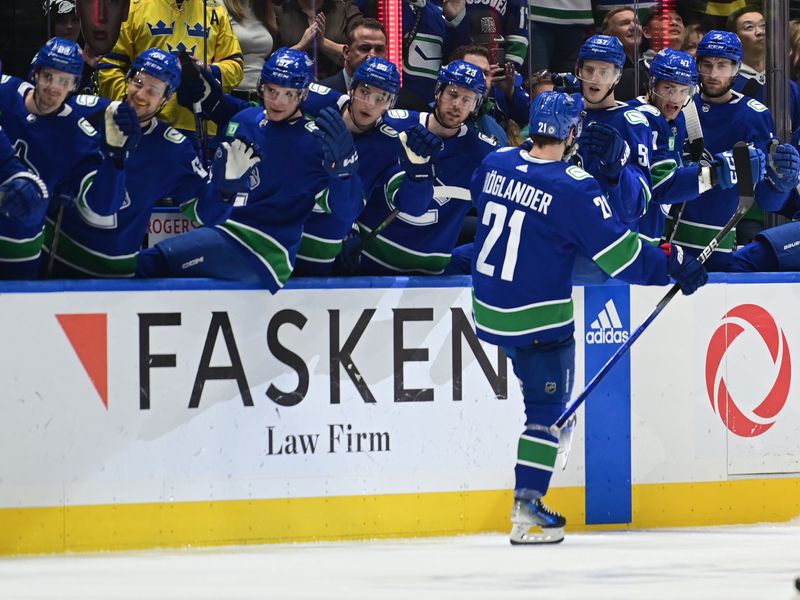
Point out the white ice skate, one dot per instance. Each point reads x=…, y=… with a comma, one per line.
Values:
x=532, y=522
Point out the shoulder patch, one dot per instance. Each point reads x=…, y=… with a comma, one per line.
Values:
x=319, y=89
x=173, y=135
x=634, y=117
x=233, y=127
x=397, y=113
x=311, y=126
x=489, y=140
x=649, y=108
x=388, y=130
x=577, y=173
x=86, y=127
x=756, y=105
x=86, y=100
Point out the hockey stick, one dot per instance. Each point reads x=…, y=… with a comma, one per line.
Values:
x=741, y=159
x=191, y=72
x=696, y=146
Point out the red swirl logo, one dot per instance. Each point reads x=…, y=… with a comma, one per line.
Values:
x=738, y=320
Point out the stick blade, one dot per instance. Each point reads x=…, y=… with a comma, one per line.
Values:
x=744, y=177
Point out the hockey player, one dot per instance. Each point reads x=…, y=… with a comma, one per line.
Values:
x=423, y=244
x=536, y=214
x=201, y=28
x=615, y=144
x=254, y=236
x=91, y=173
x=726, y=118
x=164, y=165
x=374, y=88
x=672, y=85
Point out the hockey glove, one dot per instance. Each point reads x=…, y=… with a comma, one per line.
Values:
x=233, y=164
x=24, y=198
x=566, y=82
x=686, y=270
x=421, y=150
x=605, y=142
x=340, y=155
x=784, y=168
x=724, y=171
x=198, y=87
x=122, y=131
x=349, y=258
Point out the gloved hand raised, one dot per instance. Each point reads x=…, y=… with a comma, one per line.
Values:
x=24, y=198
x=340, y=155
x=686, y=270
x=724, y=170
x=784, y=168
x=198, y=86
x=122, y=131
x=233, y=163
x=605, y=142
x=421, y=147
x=566, y=82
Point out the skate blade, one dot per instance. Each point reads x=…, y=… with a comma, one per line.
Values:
x=522, y=537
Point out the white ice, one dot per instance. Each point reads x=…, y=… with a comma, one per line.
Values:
x=753, y=562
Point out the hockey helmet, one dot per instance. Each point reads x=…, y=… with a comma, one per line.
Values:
x=675, y=66
x=721, y=44
x=59, y=54
x=463, y=74
x=287, y=68
x=605, y=48
x=161, y=65
x=380, y=73
x=554, y=114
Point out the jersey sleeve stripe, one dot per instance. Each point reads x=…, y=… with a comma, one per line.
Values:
x=616, y=257
x=271, y=253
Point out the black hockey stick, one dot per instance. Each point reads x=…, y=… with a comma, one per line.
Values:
x=744, y=176
x=191, y=72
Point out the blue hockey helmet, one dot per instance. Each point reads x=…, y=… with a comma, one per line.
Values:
x=463, y=74
x=380, y=73
x=675, y=66
x=605, y=48
x=721, y=44
x=287, y=68
x=554, y=114
x=161, y=65
x=59, y=54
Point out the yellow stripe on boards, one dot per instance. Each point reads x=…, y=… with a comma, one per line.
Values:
x=237, y=522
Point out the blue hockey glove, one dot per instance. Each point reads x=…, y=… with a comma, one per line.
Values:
x=724, y=171
x=566, y=82
x=349, y=258
x=607, y=144
x=784, y=168
x=233, y=164
x=340, y=156
x=198, y=86
x=686, y=270
x=122, y=131
x=24, y=198
x=421, y=150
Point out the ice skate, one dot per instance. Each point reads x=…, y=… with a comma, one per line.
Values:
x=532, y=522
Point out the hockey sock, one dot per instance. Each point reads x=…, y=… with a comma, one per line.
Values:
x=536, y=458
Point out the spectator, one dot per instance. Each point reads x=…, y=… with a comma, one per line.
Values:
x=256, y=28
x=430, y=32
x=623, y=24
x=502, y=27
x=63, y=19
x=603, y=8
x=694, y=33
x=173, y=28
x=366, y=39
x=794, y=41
x=101, y=22
x=321, y=34
x=663, y=28
x=558, y=28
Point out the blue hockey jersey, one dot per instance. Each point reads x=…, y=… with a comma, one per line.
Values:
x=73, y=169
x=164, y=165
x=421, y=243
x=290, y=179
x=630, y=196
x=534, y=218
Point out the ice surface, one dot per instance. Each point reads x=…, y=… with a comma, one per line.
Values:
x=753, y=562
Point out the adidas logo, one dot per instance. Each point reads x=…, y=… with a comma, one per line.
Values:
x=607, y=327
x=523, y=168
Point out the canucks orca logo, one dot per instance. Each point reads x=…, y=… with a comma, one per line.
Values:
x=161, y=28
x=255, y=178
x=181, y=47
x=197, y=30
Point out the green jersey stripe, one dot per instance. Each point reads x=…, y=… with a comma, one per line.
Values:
x=268, y=250
x=524, y=319
x=616, y=257
x=699, y=235
x=318, y=249
x=13, y=250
